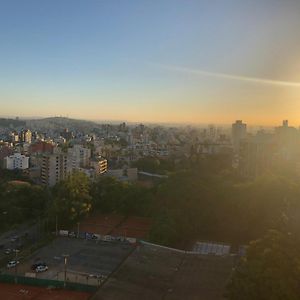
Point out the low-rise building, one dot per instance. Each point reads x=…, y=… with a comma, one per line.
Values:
x=100, y=165
x=16, y=161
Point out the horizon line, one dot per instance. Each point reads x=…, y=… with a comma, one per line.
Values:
x=180, y=123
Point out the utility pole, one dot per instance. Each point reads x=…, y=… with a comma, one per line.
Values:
x=16, y=267
x=56, y=226
x=65, y=256
x=78, y=230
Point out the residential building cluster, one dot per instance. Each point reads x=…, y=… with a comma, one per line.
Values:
x=48, y=152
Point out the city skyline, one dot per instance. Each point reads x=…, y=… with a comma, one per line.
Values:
x=168, y=62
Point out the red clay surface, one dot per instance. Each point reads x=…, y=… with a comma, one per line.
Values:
x=116, y=225
x=18, y=291
x=100, y=223
x=136, y=227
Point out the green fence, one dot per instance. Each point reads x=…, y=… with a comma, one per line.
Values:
x=7, y=278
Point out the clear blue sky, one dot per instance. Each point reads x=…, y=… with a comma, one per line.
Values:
x=154, y=60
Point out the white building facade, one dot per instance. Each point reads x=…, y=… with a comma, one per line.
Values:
x=79, y=156
x=16, y=161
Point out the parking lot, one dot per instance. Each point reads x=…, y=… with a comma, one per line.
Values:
x=88, y=261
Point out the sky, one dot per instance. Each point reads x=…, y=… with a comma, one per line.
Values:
x=151, y=60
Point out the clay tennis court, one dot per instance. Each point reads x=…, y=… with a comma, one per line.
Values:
x=100, y=223
x=116, y=225
x=18, y=291
x=136, y=227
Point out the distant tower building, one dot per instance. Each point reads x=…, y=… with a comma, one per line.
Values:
x=122, y=127
x=212, y=132
x=239, y=132
x=14, y=136
x=25, y=136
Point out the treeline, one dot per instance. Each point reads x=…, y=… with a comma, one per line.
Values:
x=155, y=165
x=197, y=204
x=70, y=200
x=204, y=201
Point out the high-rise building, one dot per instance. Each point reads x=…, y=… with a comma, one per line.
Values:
x=79, y=156
x=14, y=137
x=239, y=132
x=55, y=167
x=25, y=136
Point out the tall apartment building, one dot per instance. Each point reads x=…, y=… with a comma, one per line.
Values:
x=16, y=161
x=79, y=156
x=55, y=167
x=239, y=132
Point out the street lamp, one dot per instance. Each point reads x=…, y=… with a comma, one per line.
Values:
x=78, y=230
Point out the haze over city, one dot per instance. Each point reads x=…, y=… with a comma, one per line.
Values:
x=163, y=61
x=149, y=149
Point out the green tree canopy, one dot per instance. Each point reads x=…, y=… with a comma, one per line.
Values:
x=71, y=198
x=270, y=270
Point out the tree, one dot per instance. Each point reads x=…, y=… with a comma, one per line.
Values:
x=72, y=198
x=111, y=195
x=21, y=201
x=270, y=270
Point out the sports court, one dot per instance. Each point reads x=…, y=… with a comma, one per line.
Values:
x=135, y=227
x=88, y=261
x=100, y=223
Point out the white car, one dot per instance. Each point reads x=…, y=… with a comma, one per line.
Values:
x=41, y=268
x=12, y=264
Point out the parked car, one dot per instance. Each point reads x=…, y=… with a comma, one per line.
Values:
x=14, y=238
x=8, y=251
x=72, y=234
x=41, y=268
x=35, y=265
x=94, y=237
x=12, y=264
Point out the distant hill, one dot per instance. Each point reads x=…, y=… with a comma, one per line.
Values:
x=60, y=123
x=11, y=123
